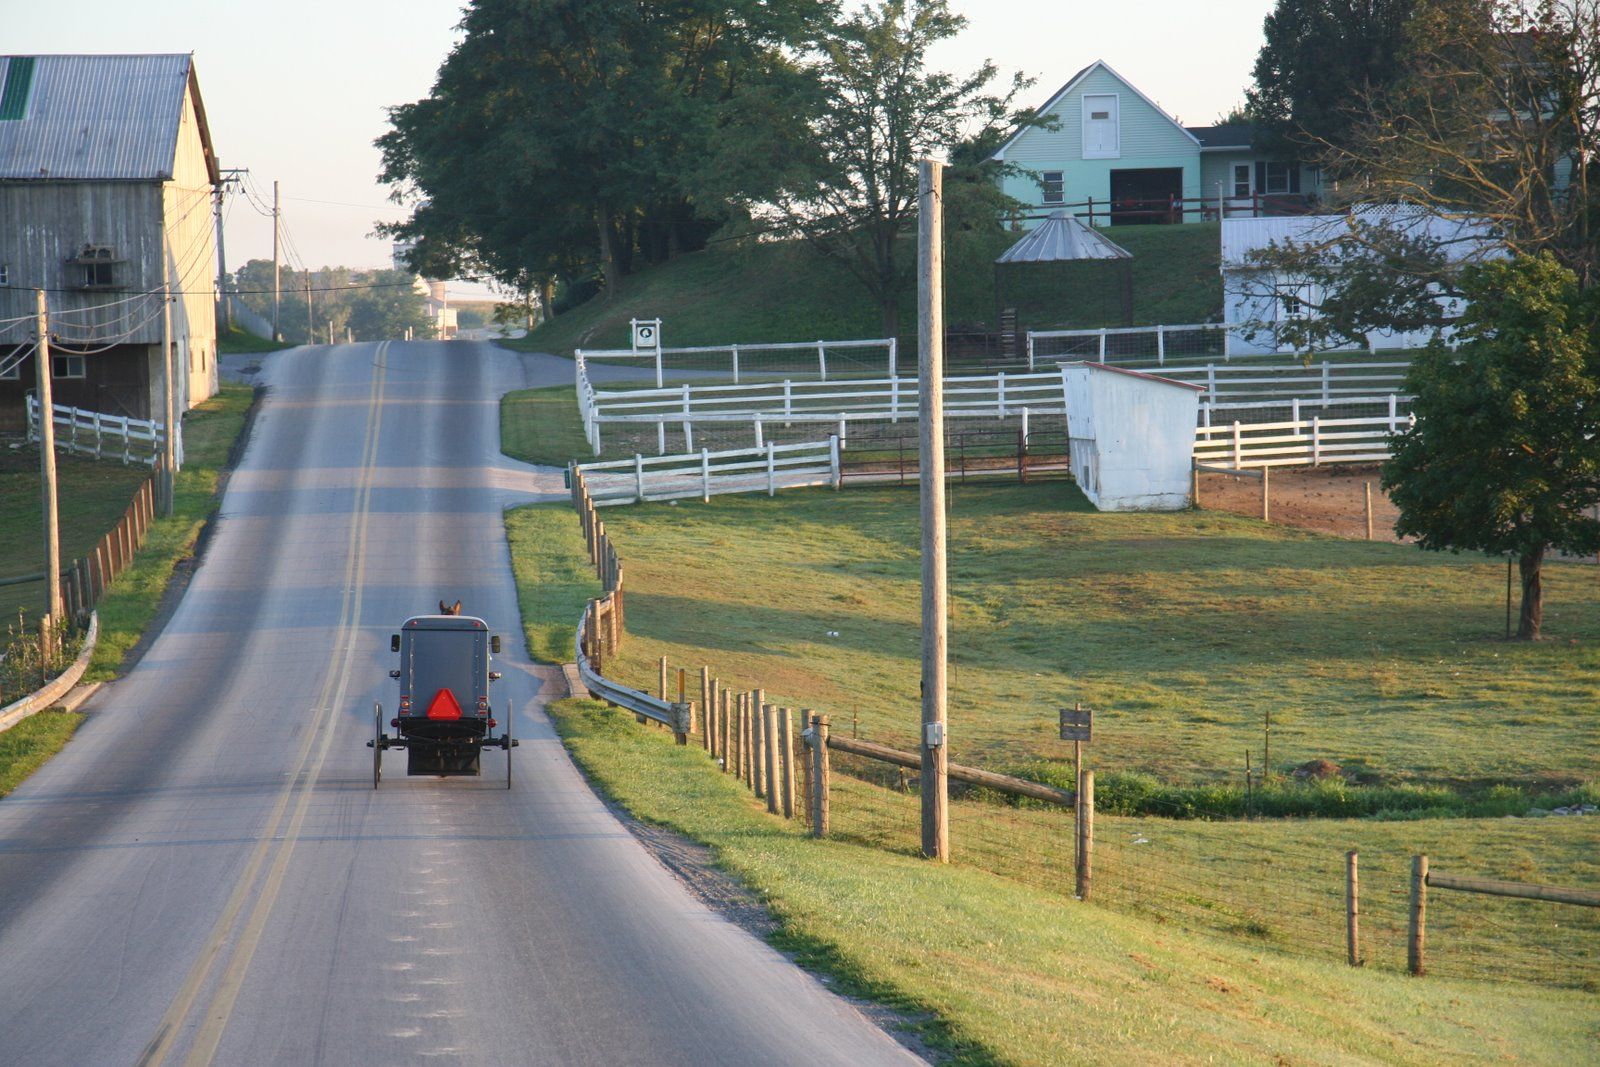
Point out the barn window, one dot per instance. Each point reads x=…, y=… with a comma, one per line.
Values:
x=67, y=366
x=1053, y=186
x=96, y=267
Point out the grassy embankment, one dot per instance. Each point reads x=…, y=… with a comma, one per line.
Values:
x=237, y=341
x=1009, y=968
x=782, y=291
x=541, y=426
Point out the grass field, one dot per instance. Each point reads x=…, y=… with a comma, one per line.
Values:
x=25, y=747
x=236, y=341
x=1182, y=630
x=541, y=426
x=91, y=497
x=1009, y=972
x=781, y=291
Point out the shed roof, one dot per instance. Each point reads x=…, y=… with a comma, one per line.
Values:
x=1153, y=379
x=95, y=117
x=1062, y=238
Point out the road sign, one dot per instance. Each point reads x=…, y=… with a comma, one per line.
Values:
x=1076, y=724
x=646, y=333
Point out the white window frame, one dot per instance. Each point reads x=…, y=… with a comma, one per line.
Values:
x=1300, y=292
x=74, y=364
x=1249, y=179
x=1286, y=177
x=1116, y=125
x=1060, y=182
x=12, y=373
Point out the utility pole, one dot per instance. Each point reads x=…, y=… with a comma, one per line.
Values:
x=311, y=330
x=47, y=478
x=169, y=449
x=222, y=255
x=276, y=283
x=930, y=367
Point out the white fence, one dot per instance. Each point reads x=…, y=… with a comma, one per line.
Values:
x=837, y=403
x=1299, y=442
x=1155, y=344
x=90, y=433
x=747, y=359
x=705, y=474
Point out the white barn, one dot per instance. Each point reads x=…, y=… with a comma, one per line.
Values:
x=1256, y=304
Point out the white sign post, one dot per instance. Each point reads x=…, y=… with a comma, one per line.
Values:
x=647, y=337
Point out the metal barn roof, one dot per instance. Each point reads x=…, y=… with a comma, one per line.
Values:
x=1062, y=238
x=86, y=117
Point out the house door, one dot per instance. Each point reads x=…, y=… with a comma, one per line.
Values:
x=1146, y=195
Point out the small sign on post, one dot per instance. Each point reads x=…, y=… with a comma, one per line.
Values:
x=1077, y=722
x=646, y=333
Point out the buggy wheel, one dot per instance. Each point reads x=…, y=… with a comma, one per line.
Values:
x=509, y=744
x=377, y=744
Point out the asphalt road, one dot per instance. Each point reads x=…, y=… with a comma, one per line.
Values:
x=206, y=875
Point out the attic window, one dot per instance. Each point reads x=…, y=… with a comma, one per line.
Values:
x=14, y=92
x=96, y=266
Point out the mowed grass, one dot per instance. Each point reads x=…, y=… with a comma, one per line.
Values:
x=554, y=578
x=25, y=747
x=91, y=497
x=1183, y=631
x=542, y=426
x=210, y=431
x=782, y=291
x=1009, y=972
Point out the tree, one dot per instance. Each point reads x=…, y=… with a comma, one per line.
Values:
x=853, y=191
x=564, y=136
x=1504, y=456
x=1318, y=59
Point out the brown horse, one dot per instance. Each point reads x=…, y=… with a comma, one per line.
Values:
x=449, y=609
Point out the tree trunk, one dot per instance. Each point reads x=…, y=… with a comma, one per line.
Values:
x=889, y=308
x=1530, y=566
x=547, y=299
x=608, y=254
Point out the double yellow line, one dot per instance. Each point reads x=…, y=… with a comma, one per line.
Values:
x=298, y=792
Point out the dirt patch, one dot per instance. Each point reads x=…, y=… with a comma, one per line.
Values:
x=1328, y=500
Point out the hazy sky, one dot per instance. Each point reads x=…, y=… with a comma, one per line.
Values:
x=296, y=90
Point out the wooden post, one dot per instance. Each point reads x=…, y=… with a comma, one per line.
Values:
x=770, y=766
x=804, y=755
x=1085, y=833
x=47, y=473
x=1417, y=931
x=1352, y=908
x=705, y=702
x=1266, y=506
x=819, y=776
x=1194, y=484
x=786, y=760
x=744, y=741
x=935, y=610
x=681, y=736
x=725, y=730
x=1369, y=511
x=663, y=688
x=758, y=738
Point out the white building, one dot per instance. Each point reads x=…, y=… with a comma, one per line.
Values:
x=1131, y=436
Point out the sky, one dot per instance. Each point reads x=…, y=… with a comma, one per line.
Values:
x=296, y=91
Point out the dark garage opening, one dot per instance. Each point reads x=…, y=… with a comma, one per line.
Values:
x=1149, y=194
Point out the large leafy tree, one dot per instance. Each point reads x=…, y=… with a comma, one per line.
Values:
x=564, y=135
x=852, y=191
x=1320, y=59
x=1504, y=456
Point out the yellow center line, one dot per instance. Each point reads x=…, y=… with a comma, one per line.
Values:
x=328, y=703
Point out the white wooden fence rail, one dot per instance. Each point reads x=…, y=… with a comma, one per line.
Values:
x=90, y=433
x=1298, y=442
x=737, y=353
x=1153, y=343
x=705, y=474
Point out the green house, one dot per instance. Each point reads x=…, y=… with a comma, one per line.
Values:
x=1112, y=155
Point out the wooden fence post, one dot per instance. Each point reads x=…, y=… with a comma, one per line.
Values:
x=1369, y=510
x=1266, y=505
x=769, y=735
x=683, y=726
x=662, y=692
x=758, y=739
x=1417, y=931
x=725, y=730
x=747, y=743
x=1194, y=484
x=1085, y=833
x=819, y=776
x=1352, y=908
x=804, y=755
x=705, y=702
x=786, y=759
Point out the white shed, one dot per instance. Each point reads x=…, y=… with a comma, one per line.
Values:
x=1131, y=436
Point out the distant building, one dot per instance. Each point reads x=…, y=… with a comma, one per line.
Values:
x=107, y=182
x=1116, y=155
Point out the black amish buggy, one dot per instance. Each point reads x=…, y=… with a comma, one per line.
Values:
x=445, y=720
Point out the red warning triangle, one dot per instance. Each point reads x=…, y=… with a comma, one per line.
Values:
x=444, y=706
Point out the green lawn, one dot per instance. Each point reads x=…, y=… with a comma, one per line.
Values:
x=782, y=291
x=1182, y=630
x=91, y=497
x=542, y=426
x=25, y=747
x=1009, y=972
x=236, y=341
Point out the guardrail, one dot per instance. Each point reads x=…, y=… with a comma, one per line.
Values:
x=89, y=433
x=706, y=474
